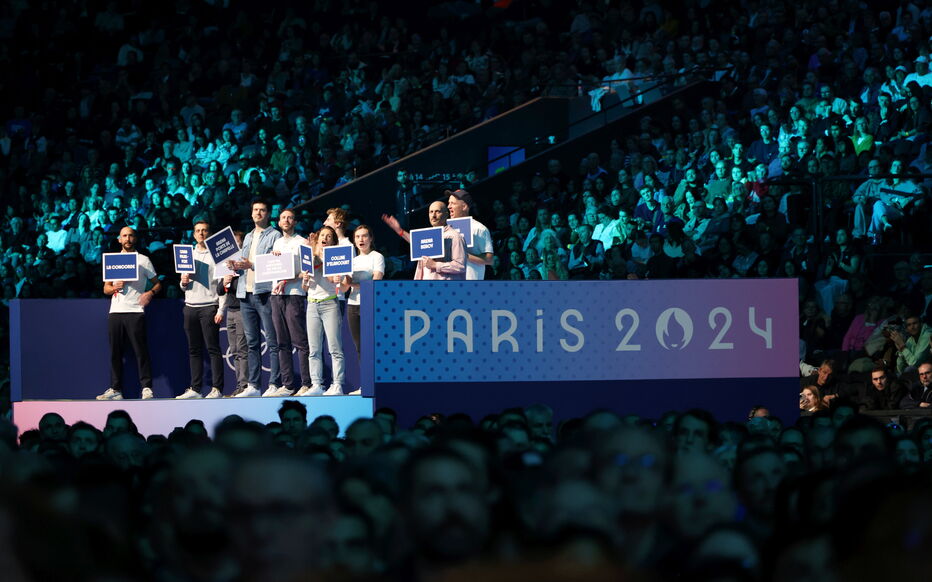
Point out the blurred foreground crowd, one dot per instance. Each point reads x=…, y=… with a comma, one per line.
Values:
x=834, y=496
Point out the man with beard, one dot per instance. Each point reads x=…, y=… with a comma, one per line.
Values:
x=126, y=322
x=280, y=505
x=446, y=512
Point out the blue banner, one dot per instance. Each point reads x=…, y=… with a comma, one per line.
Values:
x=485, y=331
x=463, y=226
x=222, y=245
x=184, y=258
x=120, y=267
x=338, y=260
x=307, y=259
x=427, y=243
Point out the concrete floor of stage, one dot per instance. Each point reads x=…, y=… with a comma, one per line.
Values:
x=161, y=416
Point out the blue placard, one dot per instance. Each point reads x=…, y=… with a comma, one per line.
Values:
x=307, y=258
x=464, y=226
x=120, y=266
x=338, y=260
x=427, y=243
x=222, y=245
x=184, y=258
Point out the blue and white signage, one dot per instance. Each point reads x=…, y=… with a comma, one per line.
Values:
x=120, y=266
x=271, y=267
x=222, y=245
x=463, y=226
x=338, y=260
x=427, y=243
x=307, y=258
x=503, y=331
x=184, y=258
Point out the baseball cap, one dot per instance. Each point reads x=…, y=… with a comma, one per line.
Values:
x=462, y=195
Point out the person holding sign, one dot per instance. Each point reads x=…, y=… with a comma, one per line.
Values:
x=323, y=318
x=289, y=303
x=452, y=265
x=127, y=321
x=368, y=265
x=236, y=338
x=255, y=304
x=203, y=313
x=479, y=251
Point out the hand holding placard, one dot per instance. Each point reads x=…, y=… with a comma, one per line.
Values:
x=427, y=243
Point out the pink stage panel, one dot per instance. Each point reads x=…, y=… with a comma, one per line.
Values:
x=162, y=416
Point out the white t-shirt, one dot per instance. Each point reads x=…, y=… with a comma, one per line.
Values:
x=606, y=234
x=292, y=244
x=481, y=244
x=363, y=268
x=127, y=299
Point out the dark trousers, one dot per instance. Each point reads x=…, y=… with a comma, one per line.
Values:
x=288, y=318
x=202, y=332
x=352, y=314
x=123, y=327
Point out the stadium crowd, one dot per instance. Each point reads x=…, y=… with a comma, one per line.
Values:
x=137, y=129
x=833, y=496
x=811, y=161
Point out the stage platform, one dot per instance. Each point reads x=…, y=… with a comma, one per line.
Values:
x=161, y=416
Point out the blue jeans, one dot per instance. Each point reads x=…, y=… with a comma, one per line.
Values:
x=324, y=318
x=256, y=309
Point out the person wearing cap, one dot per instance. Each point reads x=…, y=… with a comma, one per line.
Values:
x=921, y=74
x=450, y=267
x=895, y=84
x=479, y=254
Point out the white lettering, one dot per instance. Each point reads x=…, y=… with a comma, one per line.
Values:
x=453, y=335
x=766, y=333
x=717, y=343
x=508, y=336
x=564, y=323
x=410, y=338
x=540, y=330
x=624, y=345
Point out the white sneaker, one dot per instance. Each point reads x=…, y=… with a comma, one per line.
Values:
x=314, y=390
x=110, y=394
x=283, y=392
x=272, y=390
x=248, y=392
x=334, y=390
x=147, y=394
x=189, y=394
x=356, y=392
x=214, y=393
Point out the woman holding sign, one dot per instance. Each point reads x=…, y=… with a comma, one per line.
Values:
x=368, y=265
x=323, y=318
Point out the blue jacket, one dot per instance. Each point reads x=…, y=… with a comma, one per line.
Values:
x=265, y=242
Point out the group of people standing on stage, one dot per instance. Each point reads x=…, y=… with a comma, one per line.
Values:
x=295, y=314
